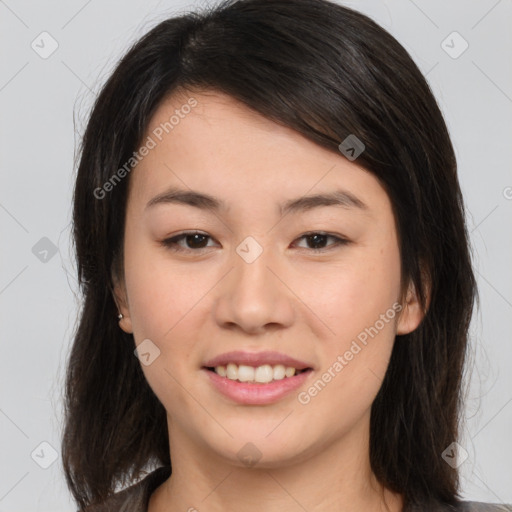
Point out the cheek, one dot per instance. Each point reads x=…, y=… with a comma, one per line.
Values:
x=359, y=303
x=354, y=360
x=163, y=301
x=352, y=295
x=161, y=294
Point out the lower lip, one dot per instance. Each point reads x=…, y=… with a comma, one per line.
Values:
x=257, y=394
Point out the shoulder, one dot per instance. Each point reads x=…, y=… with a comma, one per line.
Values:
x=461, y=506
x=136, y=497
x=477, y=506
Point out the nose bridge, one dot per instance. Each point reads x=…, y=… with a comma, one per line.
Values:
x=252, y=296
x=252, y=280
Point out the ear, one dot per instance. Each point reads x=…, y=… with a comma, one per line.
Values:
x=412, y=313
x=121, y=300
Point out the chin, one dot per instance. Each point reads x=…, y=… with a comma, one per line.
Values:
x=259, y=451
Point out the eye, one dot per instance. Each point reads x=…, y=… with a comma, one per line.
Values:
x=318, y=241
x=195, y=241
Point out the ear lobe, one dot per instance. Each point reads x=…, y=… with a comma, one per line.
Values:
x=412, y=313
x=121, y=300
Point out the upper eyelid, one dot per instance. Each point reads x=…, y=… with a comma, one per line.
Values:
x=307, y=233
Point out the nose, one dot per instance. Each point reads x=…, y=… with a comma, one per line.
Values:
x=254, y=296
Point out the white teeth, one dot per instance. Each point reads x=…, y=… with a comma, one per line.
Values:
x=245, y=373
x=289, y=372
x=262, y=374
x=231, y=371
x=279, y=372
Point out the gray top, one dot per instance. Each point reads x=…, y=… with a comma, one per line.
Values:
x=136, y=499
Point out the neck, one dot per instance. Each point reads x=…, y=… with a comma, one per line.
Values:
x=336, y=476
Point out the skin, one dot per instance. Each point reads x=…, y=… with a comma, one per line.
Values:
x=309, y=305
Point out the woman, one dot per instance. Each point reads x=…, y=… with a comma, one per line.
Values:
x=267, y=202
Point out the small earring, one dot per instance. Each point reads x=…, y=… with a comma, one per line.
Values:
x=120, y=316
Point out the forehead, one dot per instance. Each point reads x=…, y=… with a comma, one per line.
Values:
x=209, y=141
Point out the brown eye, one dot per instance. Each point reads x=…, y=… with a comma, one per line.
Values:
x=195, y=242
x=192, y=241
x=318, y=241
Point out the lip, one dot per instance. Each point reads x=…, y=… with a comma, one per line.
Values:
x=256, y=359
x=255, y=393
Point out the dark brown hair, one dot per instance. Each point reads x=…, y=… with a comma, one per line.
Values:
x=327, y=72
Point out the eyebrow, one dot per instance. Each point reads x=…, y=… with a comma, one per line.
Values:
x=207, y=202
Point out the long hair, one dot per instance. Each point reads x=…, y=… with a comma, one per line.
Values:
x=327, y=72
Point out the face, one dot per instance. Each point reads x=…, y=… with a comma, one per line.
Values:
x=257, y=279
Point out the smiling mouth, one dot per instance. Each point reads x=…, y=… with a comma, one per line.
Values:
x=263, y=374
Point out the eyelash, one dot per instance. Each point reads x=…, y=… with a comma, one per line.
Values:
x=172, y=243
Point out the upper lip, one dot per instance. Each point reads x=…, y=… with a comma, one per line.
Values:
x=256, y=359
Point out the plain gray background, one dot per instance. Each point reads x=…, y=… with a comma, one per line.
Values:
x=40, y=97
